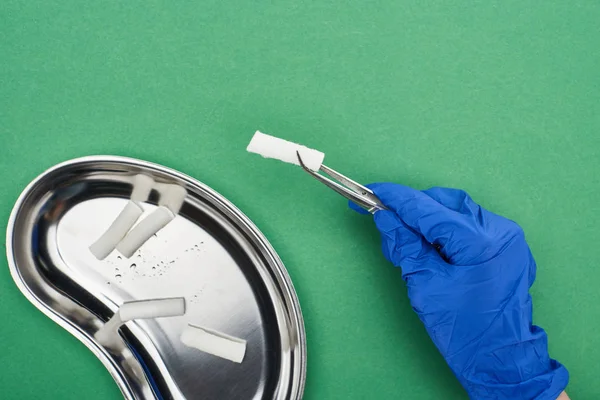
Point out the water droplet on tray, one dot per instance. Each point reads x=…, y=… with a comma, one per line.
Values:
x=118, y=257
x=133, y=266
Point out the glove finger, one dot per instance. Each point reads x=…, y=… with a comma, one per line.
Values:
x=404, y=247
x=435, y=222
x=490, y=232
x=455, y=199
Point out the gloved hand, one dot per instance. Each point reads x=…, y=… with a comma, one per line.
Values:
x=468, y=273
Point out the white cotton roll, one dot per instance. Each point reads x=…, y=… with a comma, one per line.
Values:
x=142, y=309
x=156, y=308
x=144, y=230
x=117, y=230
x=172, y=197
x=215, y=343
x=272, y=147
x=107, y=335
x=142, y=186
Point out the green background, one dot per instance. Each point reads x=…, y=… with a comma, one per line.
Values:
x=499, y=98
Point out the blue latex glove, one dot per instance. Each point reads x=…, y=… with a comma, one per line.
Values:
x=468, y=273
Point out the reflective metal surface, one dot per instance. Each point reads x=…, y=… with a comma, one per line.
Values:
x=211, y=254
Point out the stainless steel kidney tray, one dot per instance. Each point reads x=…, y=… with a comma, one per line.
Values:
x=211, y=254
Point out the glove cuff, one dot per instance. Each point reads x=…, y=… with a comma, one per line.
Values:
x=547, y=386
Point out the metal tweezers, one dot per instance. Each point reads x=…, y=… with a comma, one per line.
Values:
x=357, y=193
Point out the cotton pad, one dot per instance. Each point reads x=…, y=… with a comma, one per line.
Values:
x=142, y=186
x=272, y=147
x=143, y=309
x=215, y=343
x=117, y=230
x=107, y=335
x=143, y=231
x=171, y=196
x=155, y=308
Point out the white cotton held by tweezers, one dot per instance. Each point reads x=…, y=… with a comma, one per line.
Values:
x=272, y=147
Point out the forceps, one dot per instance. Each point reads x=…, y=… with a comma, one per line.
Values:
x=354, y=191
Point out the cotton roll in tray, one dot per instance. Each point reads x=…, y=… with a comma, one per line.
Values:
x=102, y=247
x=142, y=309
x=216, y=343
x=143, y=231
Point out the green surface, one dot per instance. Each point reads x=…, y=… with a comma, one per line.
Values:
x=499, y=98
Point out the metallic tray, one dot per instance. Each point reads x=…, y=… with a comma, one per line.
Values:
x=211, y=254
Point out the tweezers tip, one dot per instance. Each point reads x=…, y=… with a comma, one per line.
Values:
x=300, y=161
